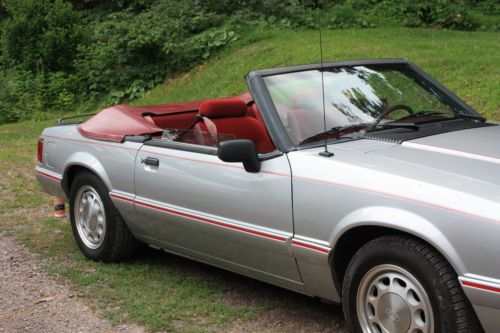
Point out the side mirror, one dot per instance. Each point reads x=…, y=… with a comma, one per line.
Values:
x=240, y=151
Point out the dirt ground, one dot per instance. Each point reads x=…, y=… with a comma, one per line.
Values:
x=30, y=301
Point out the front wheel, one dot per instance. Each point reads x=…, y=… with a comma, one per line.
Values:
x=396, y=284
x=98, y=228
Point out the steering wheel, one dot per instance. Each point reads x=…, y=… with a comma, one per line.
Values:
x=396, y=107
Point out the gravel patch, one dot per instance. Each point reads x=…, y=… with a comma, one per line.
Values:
x=31, y=301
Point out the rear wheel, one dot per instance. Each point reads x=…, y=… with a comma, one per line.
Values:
x=397, y=284
x=98, y=228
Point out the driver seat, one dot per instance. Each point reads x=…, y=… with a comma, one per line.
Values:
x=229, y=116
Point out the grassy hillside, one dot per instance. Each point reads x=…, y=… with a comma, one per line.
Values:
x=466, y=62
x=64, y=54
x=164, y=292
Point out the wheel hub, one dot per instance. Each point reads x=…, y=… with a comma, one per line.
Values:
x=394, y=313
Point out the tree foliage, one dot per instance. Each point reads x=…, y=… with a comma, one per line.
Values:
x=40, y=35
x=56, y=54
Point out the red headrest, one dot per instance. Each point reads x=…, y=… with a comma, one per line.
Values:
x=223, y=108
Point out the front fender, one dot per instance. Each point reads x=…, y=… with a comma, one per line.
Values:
x=401, y=220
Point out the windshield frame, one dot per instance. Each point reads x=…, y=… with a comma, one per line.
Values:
x=262, y=97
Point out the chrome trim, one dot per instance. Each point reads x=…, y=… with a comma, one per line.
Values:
x=48, y=174
x=313, y=246
x=482, y=283
x=278, y=236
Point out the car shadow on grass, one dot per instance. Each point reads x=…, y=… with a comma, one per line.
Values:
x=280, y=309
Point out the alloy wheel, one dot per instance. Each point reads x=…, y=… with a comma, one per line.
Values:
x=391, y=300
x=90, y=217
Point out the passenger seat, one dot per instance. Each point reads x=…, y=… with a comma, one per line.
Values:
x=229, y=116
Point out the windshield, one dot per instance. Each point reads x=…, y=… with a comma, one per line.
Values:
x=359, y=95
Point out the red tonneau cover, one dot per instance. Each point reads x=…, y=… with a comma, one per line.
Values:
x=114, y=123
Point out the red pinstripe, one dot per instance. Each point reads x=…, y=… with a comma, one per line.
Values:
x=207, y=220
x=48, y=176
x=480, y=286
x=221, y=224
x=191, y=159
x=199, y=218
x=90, y=142
x=119, y=197
x=163, y=154
x=310, y=246
x=427, y=203
x=212, y=163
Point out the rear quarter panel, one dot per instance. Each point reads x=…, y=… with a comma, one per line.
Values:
x=112, y=162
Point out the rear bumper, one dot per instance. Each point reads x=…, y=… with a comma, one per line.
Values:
x=484, y=294
x=51, y=182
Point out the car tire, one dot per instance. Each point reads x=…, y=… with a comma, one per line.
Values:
x=400, y=284
x=98, y=228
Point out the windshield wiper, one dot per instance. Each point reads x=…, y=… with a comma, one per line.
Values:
x=411, y=126
x=335, y=130
x=437, y=113
x=469, y=116
x=422, y=114
x=356, y=128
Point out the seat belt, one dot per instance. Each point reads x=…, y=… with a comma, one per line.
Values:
x=212, y=130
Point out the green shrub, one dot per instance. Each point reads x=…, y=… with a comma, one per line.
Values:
x=441, y=14
x=39, y=35
x=59, y=54
x=347, y=17
x=20, y=96
x=128, y=54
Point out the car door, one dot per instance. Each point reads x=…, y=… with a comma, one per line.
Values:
x=193, y=204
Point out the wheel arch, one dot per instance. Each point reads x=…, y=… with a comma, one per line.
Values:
x=79, y=162
x=352, y=235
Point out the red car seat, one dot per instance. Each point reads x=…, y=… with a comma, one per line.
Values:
x=230, y=117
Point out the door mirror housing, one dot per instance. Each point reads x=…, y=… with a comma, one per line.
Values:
x=243, y=151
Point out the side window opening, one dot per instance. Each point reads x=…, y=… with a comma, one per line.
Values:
x=195, y=137
x=215, y=121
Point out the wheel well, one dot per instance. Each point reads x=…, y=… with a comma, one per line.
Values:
x=351, y=241
x=70, y=175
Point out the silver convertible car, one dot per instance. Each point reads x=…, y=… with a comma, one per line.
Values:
x=380, y=191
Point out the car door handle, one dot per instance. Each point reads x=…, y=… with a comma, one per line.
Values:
x=151, y=161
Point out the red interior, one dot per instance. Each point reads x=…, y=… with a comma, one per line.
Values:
x=230, y=115
x=223, y=108
x=175, y=121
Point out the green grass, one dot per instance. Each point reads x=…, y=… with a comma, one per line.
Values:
x=468, y=63
x=165, y=292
